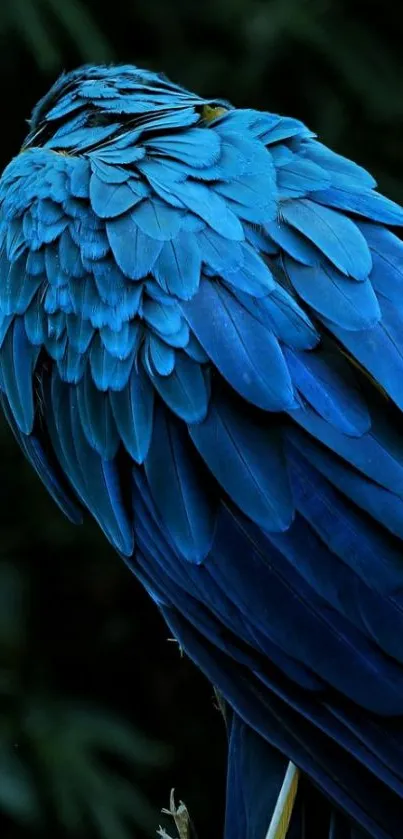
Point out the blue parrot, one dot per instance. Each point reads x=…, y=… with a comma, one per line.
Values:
x=201, y=342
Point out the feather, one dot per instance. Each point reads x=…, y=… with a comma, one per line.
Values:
x=135, y=252
x=111, y=200
x=281, y=313
x=177, y=268
x=292, y=242
x=379, y=350
x=387, y=262
x=253, y=277
x=345, y=303
x=338, y=165
x=15, y=240
x=94, y=479
x=299, y=177
x=109, y=372
x=246, y=353
x=165, y=319
x=384, y=505
x=377, y=454
x=334, y=234
x=197, y=147
x=96, y=418
x=181, y=497
x=17, y=364
x=210, y=207
x=18, y=287
x=371, y=205
x=328, y=385
x=247, y=461
x=185, y=390
x=133, y=412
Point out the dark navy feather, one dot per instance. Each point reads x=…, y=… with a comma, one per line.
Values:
x=248, y=463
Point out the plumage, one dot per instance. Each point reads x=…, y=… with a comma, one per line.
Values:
x=201, y=343
x=236, y=342
x=335, y=235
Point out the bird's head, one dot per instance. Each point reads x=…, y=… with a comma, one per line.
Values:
x=97, y=97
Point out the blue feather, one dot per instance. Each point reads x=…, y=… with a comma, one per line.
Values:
x=247, y=461
x=108, y=174
x=181, y=497
x=378, y=454
x=210, y=207
x=157, y=220
x=70, y=258
x=109, y=372
x=15, y=240
x=298, y=177
x=253, y=197
x=45, y=466
x=94, y=479
x=328, y=385
x=334, y=234
x=133, y=412
x=121, y=343
x=120, y=156
x=17, y=364
x=361, y=546
x=253, y=276
x=281, y=313
x=80, y=178
x=71, y=366
x=111, y=200
x=197, y=147
x=345, y=303
x=161, y=357
x=111, y=283
x=185, y=390
x=292, y=242
x=218, y=252
x=379, y=350
x=81, y=138
x=387, y=262
x=18, y=287
x=338, y=165
x=246, y=353
x=35, y=324
x=371, y=205
x=135, y=252
x=166, y=319
x=96, y=418
x=36, y=262
x=177, y=268
x=80, y=332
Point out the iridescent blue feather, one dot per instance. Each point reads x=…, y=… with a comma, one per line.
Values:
x=201, y=342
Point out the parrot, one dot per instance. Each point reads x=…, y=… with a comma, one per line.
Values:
x=201, y=346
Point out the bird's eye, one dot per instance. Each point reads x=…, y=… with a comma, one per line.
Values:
x=211, y=112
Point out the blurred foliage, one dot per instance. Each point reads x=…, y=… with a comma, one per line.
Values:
x=39, y=23
x=54, y=748
x=77, y=634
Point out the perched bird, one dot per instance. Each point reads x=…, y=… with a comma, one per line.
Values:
x=202, y=344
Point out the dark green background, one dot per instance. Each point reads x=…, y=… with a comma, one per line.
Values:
x=99, y=714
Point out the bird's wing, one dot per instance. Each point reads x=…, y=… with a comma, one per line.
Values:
x=202, y=328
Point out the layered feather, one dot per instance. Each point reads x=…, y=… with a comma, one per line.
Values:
x=201, y=341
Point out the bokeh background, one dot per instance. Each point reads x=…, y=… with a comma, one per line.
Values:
x=99, y=713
